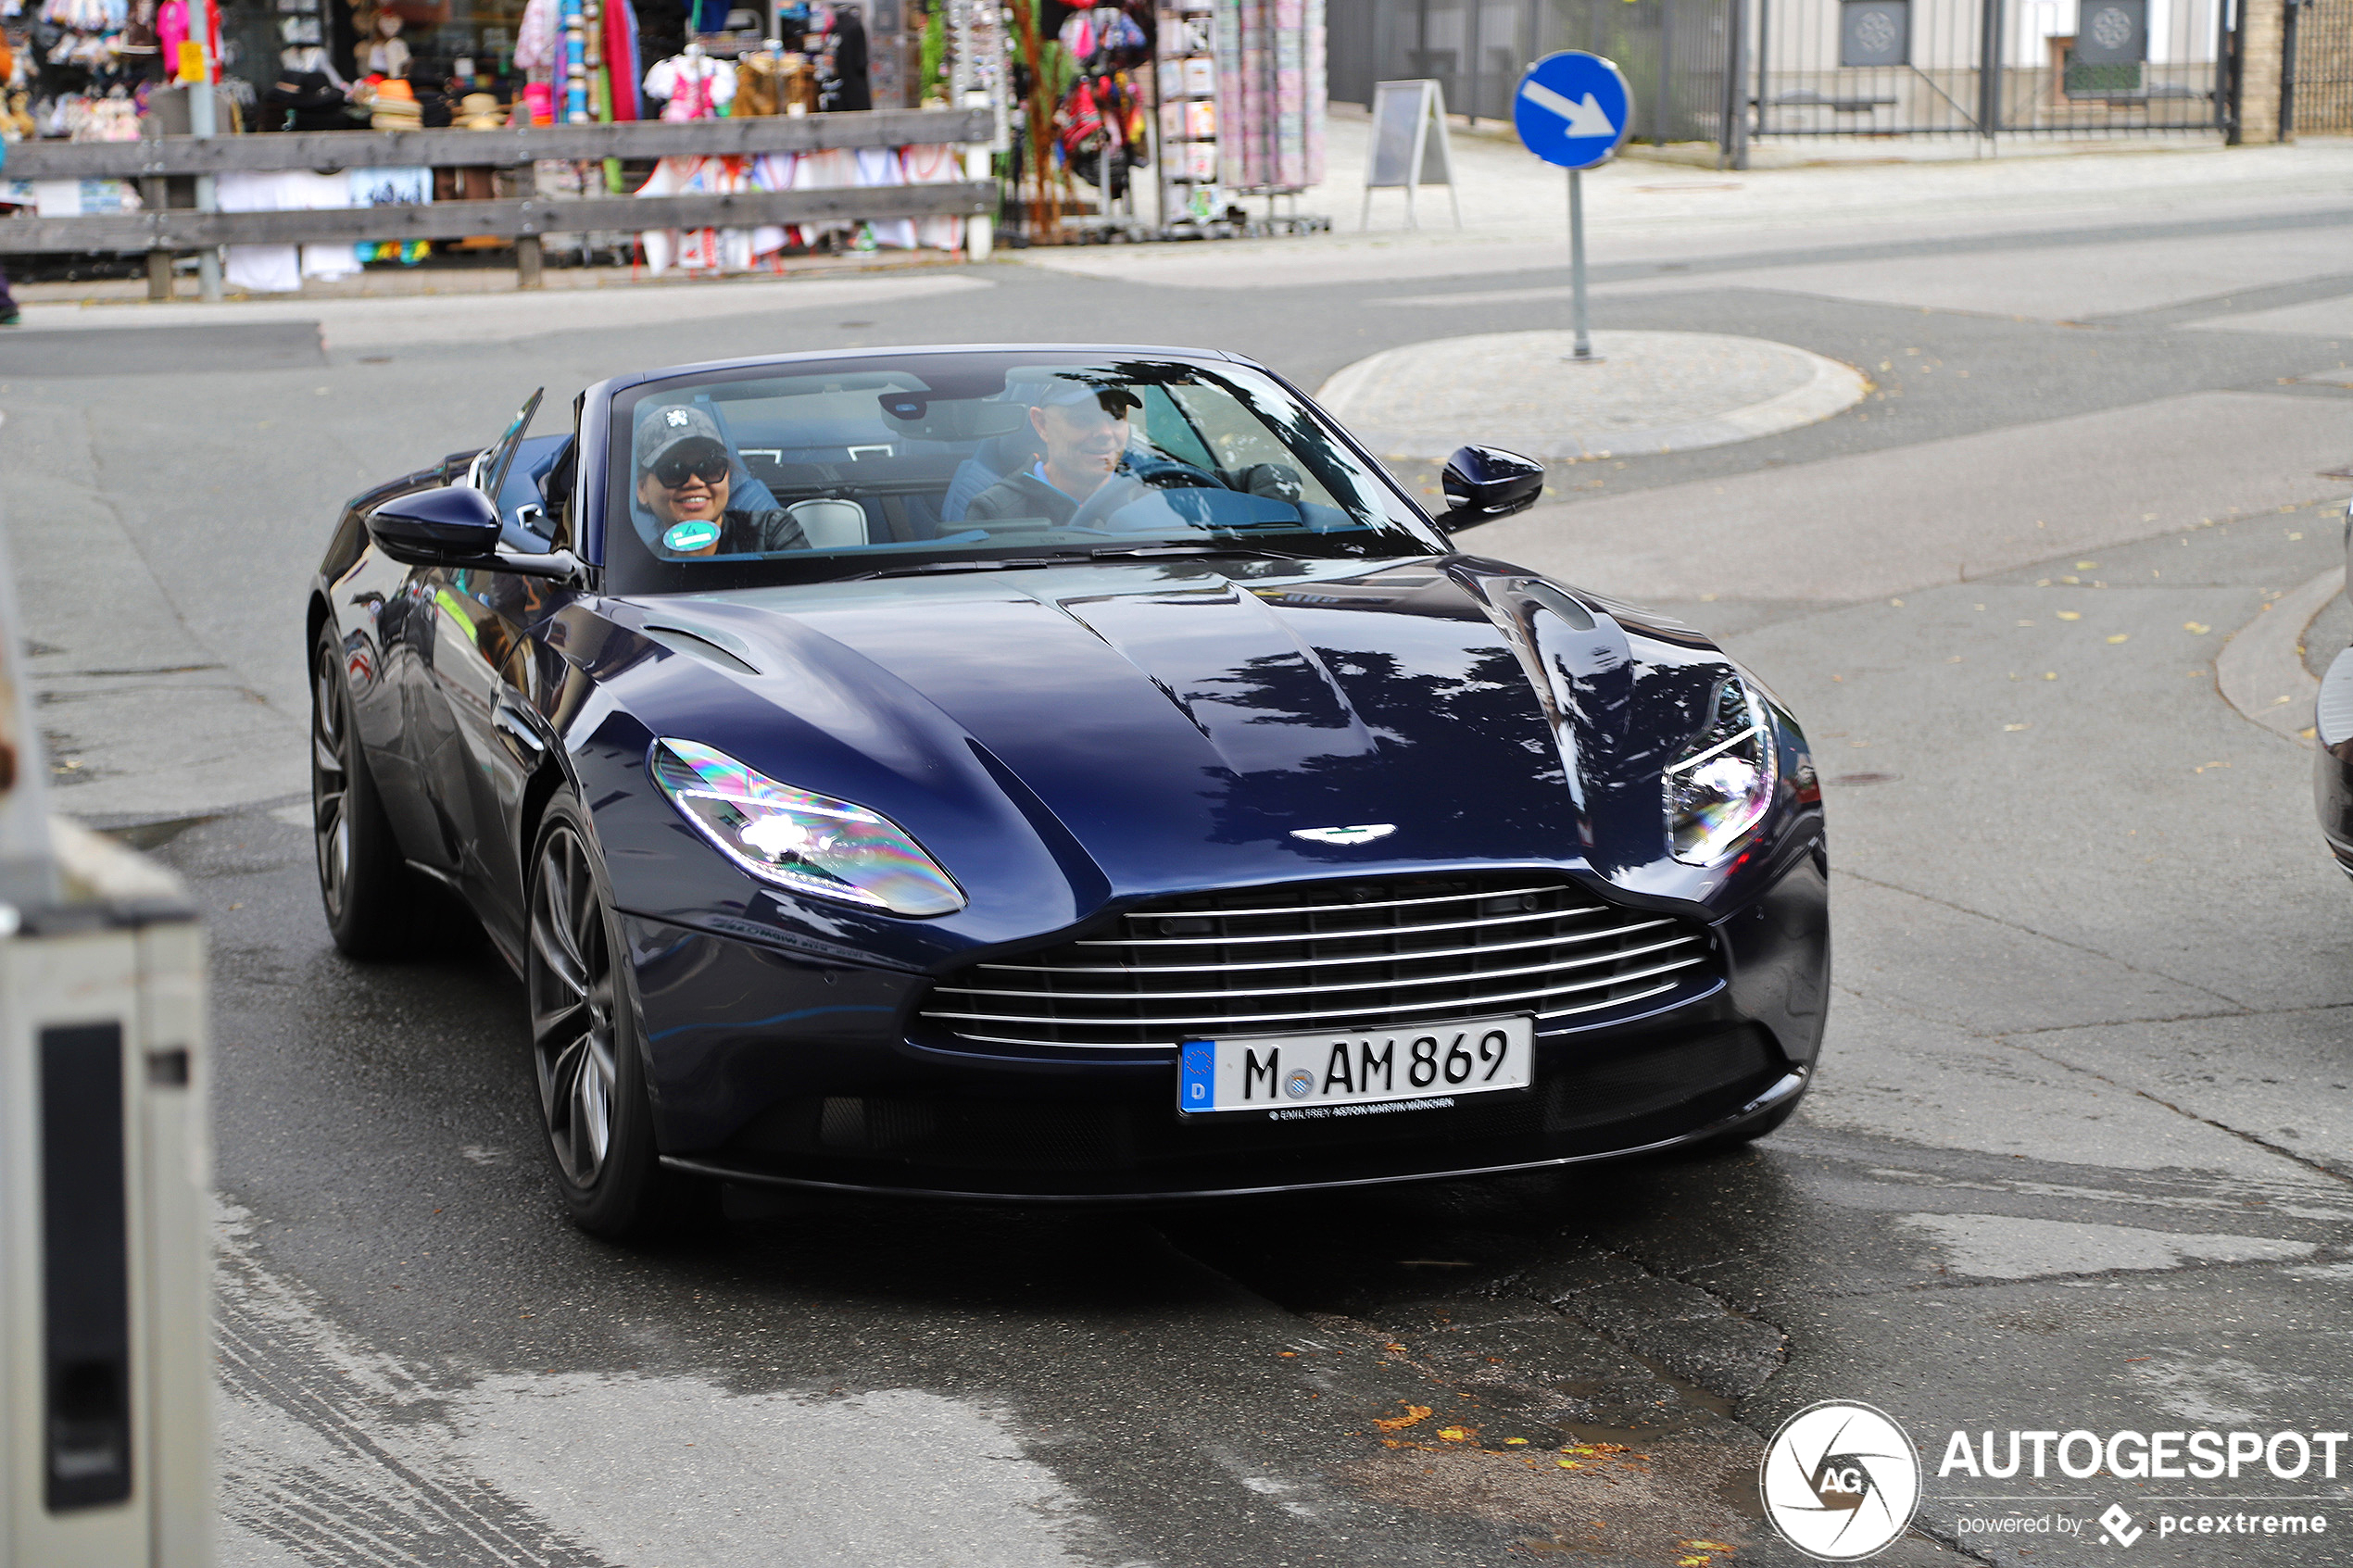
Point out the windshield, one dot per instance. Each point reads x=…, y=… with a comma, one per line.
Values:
x=969, y=461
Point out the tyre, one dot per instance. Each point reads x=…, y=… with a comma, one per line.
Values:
x=371, y=897
x=585, y=1047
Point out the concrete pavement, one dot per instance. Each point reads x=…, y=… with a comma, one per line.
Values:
x=2080, y=1153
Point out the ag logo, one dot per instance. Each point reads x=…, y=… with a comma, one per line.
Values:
x=1841, y=1481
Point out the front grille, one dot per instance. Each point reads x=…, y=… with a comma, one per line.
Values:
x=1309, y=956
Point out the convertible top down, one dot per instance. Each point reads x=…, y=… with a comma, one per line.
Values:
x=1052, y=772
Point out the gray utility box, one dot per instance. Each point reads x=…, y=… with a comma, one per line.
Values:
x=105, y=1226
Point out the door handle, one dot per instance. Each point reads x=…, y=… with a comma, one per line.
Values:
x=518, y=733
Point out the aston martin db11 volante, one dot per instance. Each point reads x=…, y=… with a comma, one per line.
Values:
x=1052, y=773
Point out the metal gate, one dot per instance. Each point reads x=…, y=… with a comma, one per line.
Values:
x=2322, y=95
x=1672, y=53
x=1977, y=68
x=2086, y=69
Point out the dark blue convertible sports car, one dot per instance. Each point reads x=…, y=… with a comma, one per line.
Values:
x=1052, y=773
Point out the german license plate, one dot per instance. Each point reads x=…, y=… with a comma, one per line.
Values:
x=1309, y=1077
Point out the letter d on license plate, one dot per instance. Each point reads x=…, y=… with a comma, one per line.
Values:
x=1320, y=1075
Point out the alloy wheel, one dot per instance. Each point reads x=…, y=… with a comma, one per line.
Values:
x=330, y=781
x=572, y=993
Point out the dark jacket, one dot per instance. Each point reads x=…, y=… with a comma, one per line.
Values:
x=1021, y=495
x=743, y=532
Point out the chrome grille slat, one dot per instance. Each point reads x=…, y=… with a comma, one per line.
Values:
x=1316, y=962
x=1181, y=1023
x=1658, y=990
x=1294, y=937
x=1374, y=904
x=1369, y=953
x=1471, y=977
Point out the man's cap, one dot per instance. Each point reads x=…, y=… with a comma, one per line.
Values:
x=675, y=426
x=1052, y=390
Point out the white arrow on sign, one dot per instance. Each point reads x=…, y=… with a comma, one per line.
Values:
x=1587, y=119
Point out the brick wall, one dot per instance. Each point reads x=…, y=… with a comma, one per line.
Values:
x=2259, y=34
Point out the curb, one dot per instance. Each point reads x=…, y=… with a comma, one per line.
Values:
x=1829, y=388
x=2259, y=672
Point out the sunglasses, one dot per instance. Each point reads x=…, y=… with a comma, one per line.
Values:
x=708, y=467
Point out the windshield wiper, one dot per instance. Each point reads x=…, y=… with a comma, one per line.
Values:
x=1075, y=558
x=1113, y=552
x=928, y=568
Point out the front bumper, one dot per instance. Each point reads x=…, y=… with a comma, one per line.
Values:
x=2333, y=768
x=767, y=1067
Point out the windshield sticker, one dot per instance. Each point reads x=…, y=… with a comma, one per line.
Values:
x=688, y=537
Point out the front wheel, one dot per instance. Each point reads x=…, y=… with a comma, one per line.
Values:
x=370, y=895
x=585, y=1054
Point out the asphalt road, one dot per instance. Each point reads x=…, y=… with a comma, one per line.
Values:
x=2080, y=1155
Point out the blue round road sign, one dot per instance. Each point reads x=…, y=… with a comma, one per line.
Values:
x=1572, y=109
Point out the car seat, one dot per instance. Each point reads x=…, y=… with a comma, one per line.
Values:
x=991, y=461
x=830, y=524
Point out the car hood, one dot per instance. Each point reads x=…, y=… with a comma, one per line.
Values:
x=1182, y=726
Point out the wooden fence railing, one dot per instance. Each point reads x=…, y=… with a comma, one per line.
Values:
x=161, y=230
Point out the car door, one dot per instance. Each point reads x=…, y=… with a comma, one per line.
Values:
x=477, y=696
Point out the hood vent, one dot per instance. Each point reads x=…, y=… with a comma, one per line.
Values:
x=1307, y=957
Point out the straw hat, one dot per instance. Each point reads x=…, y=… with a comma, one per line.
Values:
x=480, y=111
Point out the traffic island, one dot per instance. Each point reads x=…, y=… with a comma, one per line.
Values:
x=1644, y=392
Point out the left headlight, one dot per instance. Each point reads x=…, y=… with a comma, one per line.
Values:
x=1722, y=785
x=795, y=838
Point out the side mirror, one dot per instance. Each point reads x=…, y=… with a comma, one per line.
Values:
x=1485, y=483
x=446, y=527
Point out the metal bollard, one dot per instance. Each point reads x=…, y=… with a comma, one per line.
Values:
x=104, y=1260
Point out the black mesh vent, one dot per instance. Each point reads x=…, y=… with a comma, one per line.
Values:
x=1680, y=1080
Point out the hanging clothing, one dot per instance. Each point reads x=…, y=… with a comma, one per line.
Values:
x=935, y=166
x=694, y=86
x=879, y=166
x=536, y=38
x=620, y=60
x=850, y=90
x=699, y=250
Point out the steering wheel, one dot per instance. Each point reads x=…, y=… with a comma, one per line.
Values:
x=1119, y=490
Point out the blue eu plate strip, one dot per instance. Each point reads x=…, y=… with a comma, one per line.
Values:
x=1197, y=1075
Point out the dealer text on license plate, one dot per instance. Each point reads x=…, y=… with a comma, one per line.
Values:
x=1410, y=1068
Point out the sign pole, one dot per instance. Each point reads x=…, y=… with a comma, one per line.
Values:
x=196, y=76
x=1576, y=261
x=1573, y=109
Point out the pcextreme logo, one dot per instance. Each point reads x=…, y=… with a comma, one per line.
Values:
x=1840, y=1481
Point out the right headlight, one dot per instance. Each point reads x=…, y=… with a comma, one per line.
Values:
x=1722, y=785
x=799, y=839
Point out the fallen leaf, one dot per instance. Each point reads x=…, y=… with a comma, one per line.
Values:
x=1515, y=1442
x=2013, y=729
x=2122, y=637
x=1414, y=1415
x=2071, y=615
x=2086, y=565
x=1288, y=1355
x=2197, y=628
x=1569, y=1464
x=1458, y=1434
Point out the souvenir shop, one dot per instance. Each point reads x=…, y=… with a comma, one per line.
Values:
x=1120, y=120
